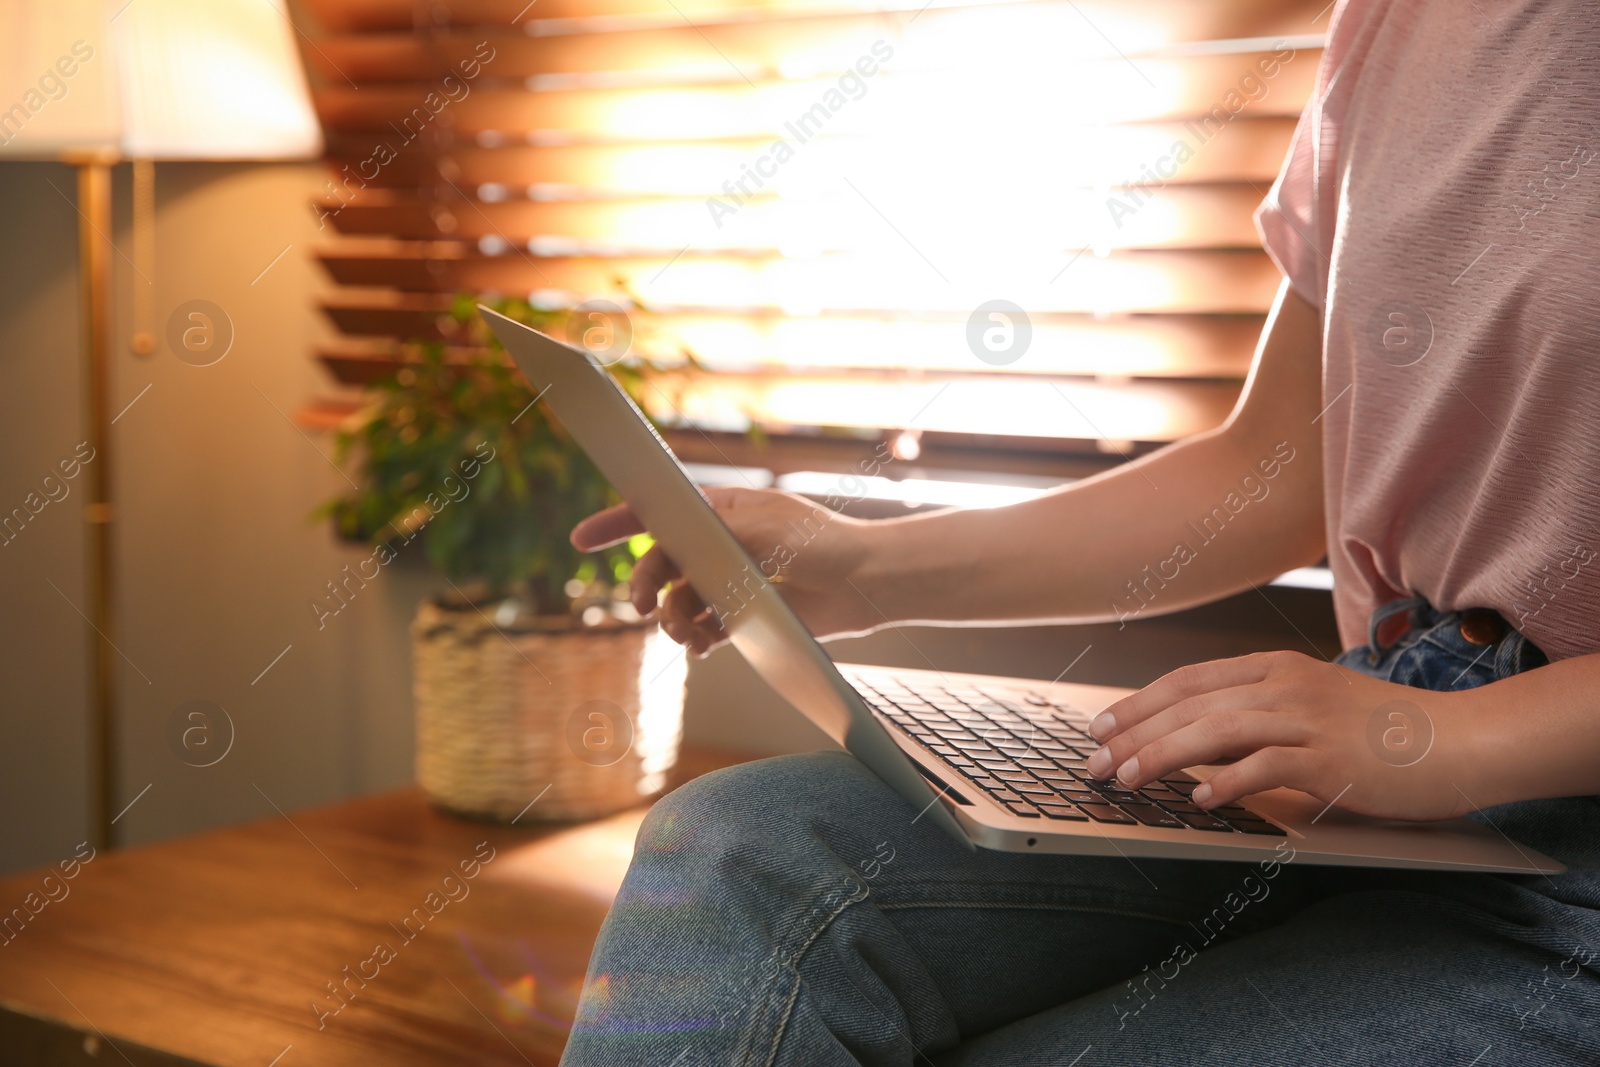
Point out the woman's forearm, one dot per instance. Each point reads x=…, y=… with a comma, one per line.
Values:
x=1193, y=522
x=1196, y=521
x=1532, y=735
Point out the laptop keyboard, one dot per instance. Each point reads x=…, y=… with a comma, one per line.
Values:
x=1031, y=755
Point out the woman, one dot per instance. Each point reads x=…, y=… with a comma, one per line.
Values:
x=1427, y=367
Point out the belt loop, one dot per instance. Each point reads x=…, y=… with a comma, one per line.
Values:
x=1517, y=655
x=1507, y=657
x=1402, y=605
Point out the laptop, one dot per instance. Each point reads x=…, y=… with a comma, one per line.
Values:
x=999, y=763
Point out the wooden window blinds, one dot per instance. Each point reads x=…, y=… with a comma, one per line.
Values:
x=1014, y=229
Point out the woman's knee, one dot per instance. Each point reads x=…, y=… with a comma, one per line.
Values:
x=764, y=798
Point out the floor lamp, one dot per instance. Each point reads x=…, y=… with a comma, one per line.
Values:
x=98, y=82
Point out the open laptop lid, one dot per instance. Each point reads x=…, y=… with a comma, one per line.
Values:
x=638, y=463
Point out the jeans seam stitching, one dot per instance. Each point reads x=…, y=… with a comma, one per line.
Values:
x=1020, y=906
x=856, y=897
x=783, y=1019
x=788, y=963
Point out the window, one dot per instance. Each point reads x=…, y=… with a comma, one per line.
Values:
x=1011, y=237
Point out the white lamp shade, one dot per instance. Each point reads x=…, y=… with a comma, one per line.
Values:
x=57, y=79
x=153, y=79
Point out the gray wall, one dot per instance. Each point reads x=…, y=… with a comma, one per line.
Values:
x=218, y=561
x=43, y=651
x=216, y=557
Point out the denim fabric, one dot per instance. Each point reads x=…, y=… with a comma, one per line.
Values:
x=794, y=911
x=1432, y=653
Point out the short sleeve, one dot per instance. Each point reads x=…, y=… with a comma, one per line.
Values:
x=1289, y=219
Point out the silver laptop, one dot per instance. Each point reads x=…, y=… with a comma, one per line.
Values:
x=998, y=762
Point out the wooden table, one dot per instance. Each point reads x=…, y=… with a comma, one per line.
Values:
x=260, y=944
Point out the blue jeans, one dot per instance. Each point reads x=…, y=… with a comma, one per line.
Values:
x=792, y=911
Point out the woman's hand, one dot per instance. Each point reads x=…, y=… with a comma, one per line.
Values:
x=1284, y=719
x=811, y=551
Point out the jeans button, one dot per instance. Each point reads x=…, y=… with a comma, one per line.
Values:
x=1482, y=627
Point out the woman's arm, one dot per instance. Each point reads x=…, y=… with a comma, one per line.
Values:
x=1372, y=747
x=1534, y=735
x=1196, y=521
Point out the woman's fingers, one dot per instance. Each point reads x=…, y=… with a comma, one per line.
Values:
x=678, y=611
x=1121, y=746
x=686, y=619
x=1210, y=738
x=1267, y=769
x=606, y=528
x=654, y=570
x=1184, y=682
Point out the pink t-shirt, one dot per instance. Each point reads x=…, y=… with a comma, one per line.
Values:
x=1440, y=206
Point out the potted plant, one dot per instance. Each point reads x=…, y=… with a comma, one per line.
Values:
x=533, y=677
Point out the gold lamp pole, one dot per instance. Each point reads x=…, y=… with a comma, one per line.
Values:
x=94, y=273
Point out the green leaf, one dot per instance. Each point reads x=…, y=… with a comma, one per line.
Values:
x=439, y=416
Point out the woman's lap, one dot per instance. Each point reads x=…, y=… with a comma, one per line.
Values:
x=798, y=900
x=795, y=911
x=1378, y=976
x=791, y=911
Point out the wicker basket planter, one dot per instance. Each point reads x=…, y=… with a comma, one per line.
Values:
x=586, y=719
